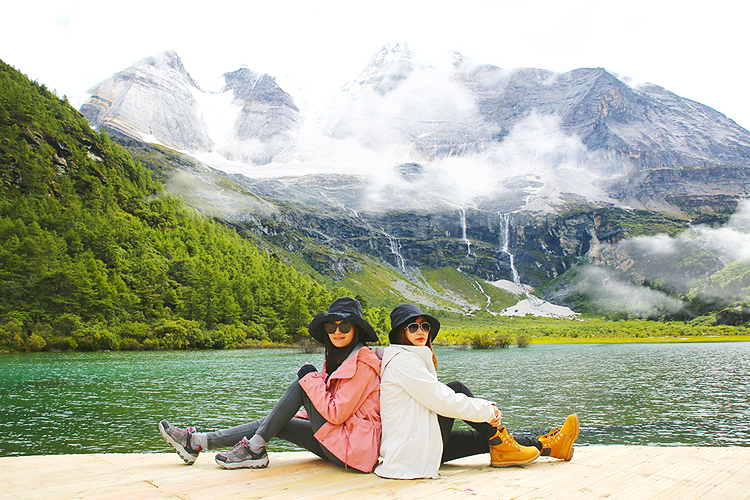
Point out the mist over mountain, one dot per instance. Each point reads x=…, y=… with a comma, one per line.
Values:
x=417, y=166
x=701, y=268
x=506, y=139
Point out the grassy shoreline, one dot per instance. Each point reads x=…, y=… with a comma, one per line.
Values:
x=629, y=340
x=483, y=332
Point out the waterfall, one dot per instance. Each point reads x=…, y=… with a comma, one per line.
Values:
x=462, y=212
x=338, y=204
x=396, y=250
x=506, y=250
x=463, y=231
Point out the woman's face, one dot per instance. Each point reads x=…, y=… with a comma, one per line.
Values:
x=420, y=336
x=339, y=338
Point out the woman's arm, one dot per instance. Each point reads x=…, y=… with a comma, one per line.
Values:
x=350, y=393
x=424, y=387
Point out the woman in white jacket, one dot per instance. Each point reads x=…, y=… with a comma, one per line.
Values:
x=417, y=411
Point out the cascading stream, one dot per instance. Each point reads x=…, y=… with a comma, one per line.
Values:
x=478, y=287
x=506, y=250
x=462, y=212
x=463, y=231
x=396, y=250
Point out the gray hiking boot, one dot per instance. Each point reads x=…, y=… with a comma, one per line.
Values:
x=180, y=439
x=241, y=457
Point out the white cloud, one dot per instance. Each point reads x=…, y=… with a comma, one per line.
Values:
x=699, y=252
x=537, y=142
x=613, y=294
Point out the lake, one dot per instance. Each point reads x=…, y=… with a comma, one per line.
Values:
x=638, y=394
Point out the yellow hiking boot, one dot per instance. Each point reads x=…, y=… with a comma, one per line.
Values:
x=504, y=451
x=558, y=442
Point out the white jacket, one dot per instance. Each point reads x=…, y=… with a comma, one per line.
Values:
x=411, y=398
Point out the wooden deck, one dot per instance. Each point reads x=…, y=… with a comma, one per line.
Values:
x=612, y=472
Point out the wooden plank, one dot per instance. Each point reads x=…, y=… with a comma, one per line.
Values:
x=615, y=472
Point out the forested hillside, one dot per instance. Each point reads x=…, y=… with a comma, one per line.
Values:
x=95, y=255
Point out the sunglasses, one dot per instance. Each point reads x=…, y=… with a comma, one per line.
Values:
x=413, y=327
x=342, y=327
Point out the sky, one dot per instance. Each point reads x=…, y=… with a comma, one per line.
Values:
x=696, y=50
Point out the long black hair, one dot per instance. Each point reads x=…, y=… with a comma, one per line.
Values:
x=337, y=355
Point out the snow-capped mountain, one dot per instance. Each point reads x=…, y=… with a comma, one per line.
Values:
x=250, y=120
x=506, y=140
x=585, y=117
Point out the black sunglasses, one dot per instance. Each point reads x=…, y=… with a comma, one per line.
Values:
x=331, y=327
x=413, y=327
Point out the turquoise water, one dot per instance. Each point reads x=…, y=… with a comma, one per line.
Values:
x=110, y=402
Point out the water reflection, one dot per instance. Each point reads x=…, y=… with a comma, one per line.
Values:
x=681, y=394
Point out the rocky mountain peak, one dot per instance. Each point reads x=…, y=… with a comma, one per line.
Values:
x=521, y=139
x=154, y=99
x=164, y=65
x=392, y=64
x=248, y=85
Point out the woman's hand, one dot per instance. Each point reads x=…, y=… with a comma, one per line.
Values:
x=306, y=368
x=497, y=421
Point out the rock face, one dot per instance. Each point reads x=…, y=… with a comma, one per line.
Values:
x=597, y=119
x=477, y=241
x=692, y=190
x=251, y=119
x=268, y=120
x=153, y=100
x=498, y=173
x=502, y=140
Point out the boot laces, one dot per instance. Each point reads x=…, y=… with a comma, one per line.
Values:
x=554, y=435
x=244, y=442
x=507, y=439
x=181, y=434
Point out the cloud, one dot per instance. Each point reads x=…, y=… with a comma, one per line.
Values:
x=539, y=141
x=684, y=265
x=610, y=293
x=731, y=242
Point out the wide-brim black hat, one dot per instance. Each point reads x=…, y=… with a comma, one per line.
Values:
x=344, y=309
x=403, y=314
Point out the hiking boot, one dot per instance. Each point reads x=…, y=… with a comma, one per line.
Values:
x=180, y=439
x=242, y=457
x=558, y=442
x=505, y=451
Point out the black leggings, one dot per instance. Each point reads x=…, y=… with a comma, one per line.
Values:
x=465, y=443
x=282, y=424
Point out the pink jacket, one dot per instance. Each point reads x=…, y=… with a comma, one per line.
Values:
x=350, y=402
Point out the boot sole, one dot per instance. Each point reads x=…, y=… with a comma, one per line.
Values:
x=513, y=464
x=242, y=465
x=181, y=451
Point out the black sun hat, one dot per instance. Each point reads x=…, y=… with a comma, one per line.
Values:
x=344, y=309
x=403, y=314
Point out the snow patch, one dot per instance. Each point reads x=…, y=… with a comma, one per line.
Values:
x=541, y=308
x=508, y=286
x=218, y=113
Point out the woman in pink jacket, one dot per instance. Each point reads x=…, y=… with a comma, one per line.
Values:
x=341, y=423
